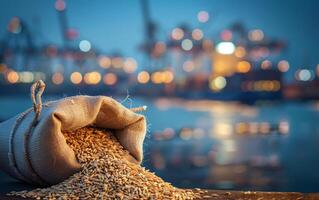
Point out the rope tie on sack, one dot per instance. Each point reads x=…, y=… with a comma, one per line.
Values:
x=37, y=90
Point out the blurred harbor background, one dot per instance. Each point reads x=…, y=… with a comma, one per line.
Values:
x=231, y=86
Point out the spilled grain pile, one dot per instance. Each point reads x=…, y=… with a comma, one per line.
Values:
x=106, y=173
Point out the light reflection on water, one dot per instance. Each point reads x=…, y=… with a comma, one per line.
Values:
x=232, y=146
x=226, y=145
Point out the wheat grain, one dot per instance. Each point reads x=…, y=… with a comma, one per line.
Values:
x=107, y=173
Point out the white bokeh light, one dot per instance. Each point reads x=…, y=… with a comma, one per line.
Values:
x=85, y=45
x=225, y=48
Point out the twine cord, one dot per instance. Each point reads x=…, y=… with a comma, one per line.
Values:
x=37, y=90
x=139, y=109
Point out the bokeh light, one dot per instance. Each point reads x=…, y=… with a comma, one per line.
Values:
x=240, y=52
x=57, y=78
x=156, y=77
x=225, y=48
x=110, y=79
x=256, y=35
x=304, y=75
x=266, y=64
x=76, y=77
x=177, y=34
x=187, y=44
x=186, y=134
x=167, y=77
x=218, y=83
x=226, y=35
x=143, y=77
x=283, y=66
x=104, y=62
x=26, y=77
x=203, y=16
x=197, y=34
x=12, y=77
x=60, y=5
x=243, y=66
x=85, y=45
x=92, y=78
x=130, y=65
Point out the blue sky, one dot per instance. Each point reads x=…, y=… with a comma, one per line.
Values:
x=117, y=25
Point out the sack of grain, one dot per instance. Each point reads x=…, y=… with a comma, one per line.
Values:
x=33, y=148
x=106, y=174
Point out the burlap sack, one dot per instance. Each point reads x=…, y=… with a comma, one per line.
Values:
x=33, y=148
